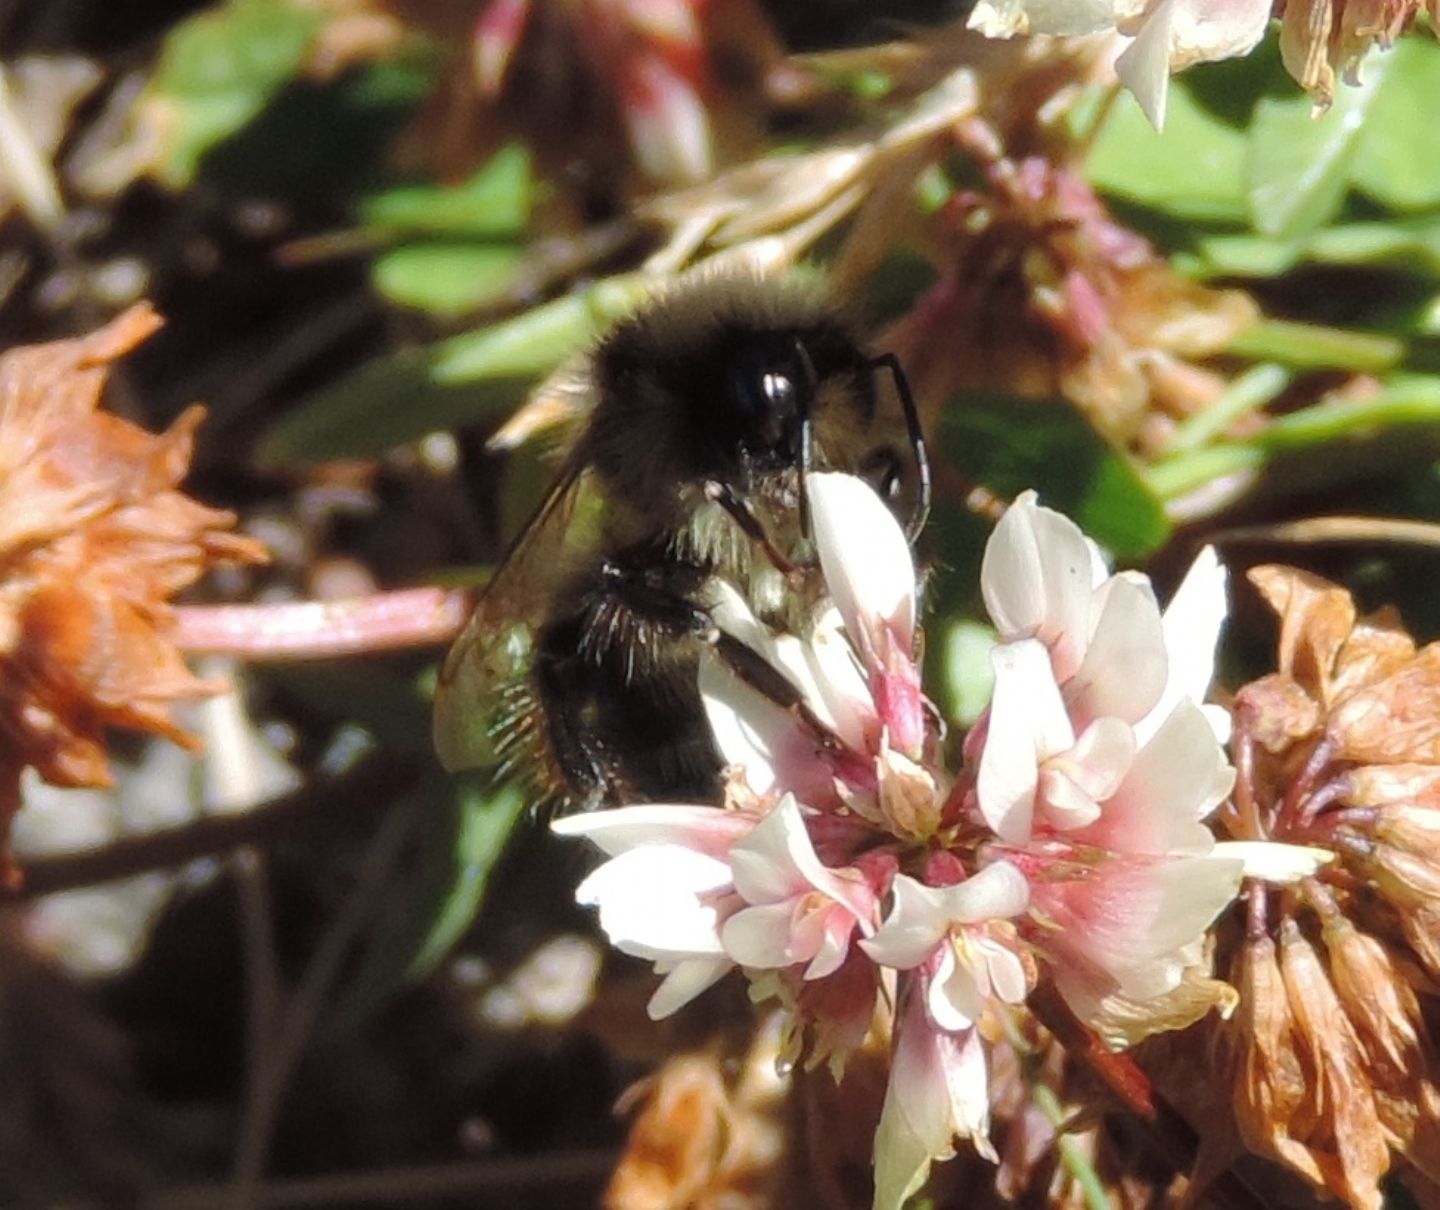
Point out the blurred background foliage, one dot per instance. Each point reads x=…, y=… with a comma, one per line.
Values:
x=376, y=230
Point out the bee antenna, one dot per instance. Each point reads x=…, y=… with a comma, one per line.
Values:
x=806, y=397
x=921, y=512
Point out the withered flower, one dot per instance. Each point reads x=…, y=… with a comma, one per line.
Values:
x=1046, y=295
x=95, y=537
x=1319, y=38
x=1334, y=1066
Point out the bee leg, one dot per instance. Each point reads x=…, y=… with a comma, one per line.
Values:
x=762, y=676
x=750, y=525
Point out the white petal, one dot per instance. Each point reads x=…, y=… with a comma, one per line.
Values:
x=1176, y=780
x=1144, y=65
x=864, y=556
x=1037, y=576
x=997, y=892
x=914, y=927
x=921, y=915
x=954, y=1001
x=938, y=1090
x=1202, y=31
x=760, y=937
x=654, y=902
x=1027, y=724
x=1008, y=979
x=1192, y=624
x=685, y=981
x=705, y=829
x=1005, y=18
x=1124, y=669
x=749, y=729
x=1274, y=862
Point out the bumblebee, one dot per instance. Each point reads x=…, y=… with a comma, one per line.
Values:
x=706, y=409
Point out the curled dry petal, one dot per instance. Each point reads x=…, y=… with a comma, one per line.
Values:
x=95, y=537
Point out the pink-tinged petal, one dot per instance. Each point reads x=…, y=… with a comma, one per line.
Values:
x=497, y=35
x=1177, y=779
x=938, y=1091
x=1027, y=725
x=686, y=980
x=777, y=861
x=1101, y=757
x=707, y=830
x=761, y=937
x=1192, y=624
x=665, y=118
x=1064, y=805
x=1037, y=576
x=865, y=559
x=1133, y=918
x=832, y=943
x=921, y=915
x=836, y=687
x=1125, y=665
x=915, y=926
x=668, y=21
x=656, y=901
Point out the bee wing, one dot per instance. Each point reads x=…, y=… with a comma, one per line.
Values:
x=494, y=651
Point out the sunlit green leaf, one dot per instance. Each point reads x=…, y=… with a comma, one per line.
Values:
x=1399, y=149
x=471, y=377
x=1304, y=346
x=495, y=202
x=1011, y=444
x=218, y=69
x=1298, y=163
x=1195, y=169
x=448, y=280
x=969, y=678
x=539, y=340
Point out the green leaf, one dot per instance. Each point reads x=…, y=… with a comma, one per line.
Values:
x=1298, y=165
x=469, y=378
x=1195, y=169
x=1322, y=443
x=493, y=203
x=1409, y=244
x=1397, y=153
x=539, y=340
x=218, y=70
x=448, y=280
x=1011, y=444
x=383, y=404
x=468, y=821
x=969, y=676
x=1314, y=346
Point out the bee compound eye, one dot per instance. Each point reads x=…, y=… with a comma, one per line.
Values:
x=779, y=390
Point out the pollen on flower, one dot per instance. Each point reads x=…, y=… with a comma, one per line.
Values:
x=95, y=537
